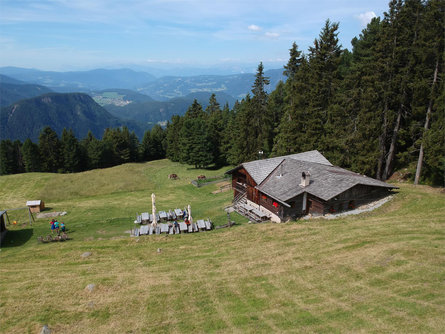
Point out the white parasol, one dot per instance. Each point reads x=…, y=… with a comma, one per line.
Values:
x=153, y=208
x=189, y=209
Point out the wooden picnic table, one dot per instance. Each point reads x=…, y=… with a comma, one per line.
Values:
x=143, y=229
x=164, y=228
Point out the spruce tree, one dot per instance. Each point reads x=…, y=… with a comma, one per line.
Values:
x=7, y=165
x=195, y=142
x=95, y=153
x=71, y=153
x=50, y=151
x=427, y=100
x=31, y=156
x=216, y=125
x=173, y=150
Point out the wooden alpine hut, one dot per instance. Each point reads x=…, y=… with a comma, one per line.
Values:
x=288, y=187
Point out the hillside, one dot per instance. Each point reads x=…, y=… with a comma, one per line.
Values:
x=162, y=111
x=379, y=272
x=118, y=97
x=237, y=85
x=12, y=90
x=26, y=118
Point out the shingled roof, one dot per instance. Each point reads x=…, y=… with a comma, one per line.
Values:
x=260, y=169
x=280, y=177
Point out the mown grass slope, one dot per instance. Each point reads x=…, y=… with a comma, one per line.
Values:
x=382, y=271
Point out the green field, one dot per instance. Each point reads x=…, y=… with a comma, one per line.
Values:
x=379, y=272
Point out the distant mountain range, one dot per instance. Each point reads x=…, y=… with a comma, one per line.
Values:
x=151, y=111
x=236, y=85
x=78, y=111
x=118, y=97
x=161, y=89
x=12, y=90
x=80, y=81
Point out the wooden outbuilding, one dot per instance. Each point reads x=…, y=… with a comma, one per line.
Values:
x=3, y=230
x=291, y=186
x=35, y=206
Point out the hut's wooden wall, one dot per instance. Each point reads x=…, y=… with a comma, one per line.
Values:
x=357, y=195
x=267, y=202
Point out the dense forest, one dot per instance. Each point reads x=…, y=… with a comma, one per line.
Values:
x=374, y=110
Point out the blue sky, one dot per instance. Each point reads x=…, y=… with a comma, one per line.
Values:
x=66, y=35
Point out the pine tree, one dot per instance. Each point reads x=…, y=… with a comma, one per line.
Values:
x=195, y=142
x=259, y=129
x=290, y=136
x=7, y=165
x=31, y=156
x=363, y=102
x=216, y=125
x=429, y=76
x=173, y=150
x=145, y=151
x=157, y=140
x=295, y=59
x=196, y=147
x=94, y=149
x=71, y=153
x=50, y=153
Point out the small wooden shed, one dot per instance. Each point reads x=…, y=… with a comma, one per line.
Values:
x=2, y=225
x=35, y=206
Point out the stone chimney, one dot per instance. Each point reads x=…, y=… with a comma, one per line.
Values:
x=305, y=179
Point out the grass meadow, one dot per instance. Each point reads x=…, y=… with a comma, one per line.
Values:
x=378, y=272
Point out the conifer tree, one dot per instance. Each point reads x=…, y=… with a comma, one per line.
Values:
x=216, y=126
x=31, y=156
x=195, y=143
x=173, y=150
x=157, y=139
x=50, y=153
x=427, y=91
x=259, y=128
x=95, y=151
x=70, y=149
x=7, y=164
x=292, y=125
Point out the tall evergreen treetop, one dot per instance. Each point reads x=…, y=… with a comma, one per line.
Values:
x=195, y=110
x=259, y=86
x=294, y=62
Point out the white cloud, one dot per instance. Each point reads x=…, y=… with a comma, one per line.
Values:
x=254, y=27
x=365, y=18
x=272, y=34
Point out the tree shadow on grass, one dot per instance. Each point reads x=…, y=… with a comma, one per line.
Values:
x=17, y=238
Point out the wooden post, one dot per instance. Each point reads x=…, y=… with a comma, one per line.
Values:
x=153, y=207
